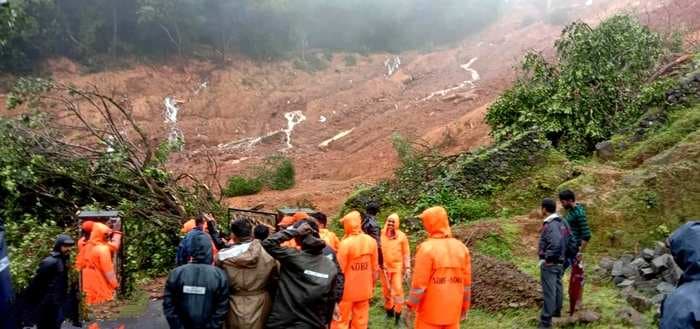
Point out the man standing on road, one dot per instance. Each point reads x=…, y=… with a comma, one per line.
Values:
x=357, y=256
x=552, y=250
x=306, y=296
x=681, y=309
x=99, y=278
x=47, y=294
x=182, y=256
x=397, y=256
x=251, y=272
x=327, y=235
x=442, y=277
x=196, y=294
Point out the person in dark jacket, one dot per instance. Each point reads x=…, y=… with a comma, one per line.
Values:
x=578, y=223
x=183, y=256
x=552, y=250
x=307, y=294
x=681, y=309
x=196, y=294
x=6, y=292
x=47, y=294
x=371, y=227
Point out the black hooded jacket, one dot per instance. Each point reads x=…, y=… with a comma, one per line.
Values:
x=196, y=294
x=48, y=290
x=306, y=294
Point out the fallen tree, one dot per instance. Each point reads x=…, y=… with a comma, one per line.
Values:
x=80, y=147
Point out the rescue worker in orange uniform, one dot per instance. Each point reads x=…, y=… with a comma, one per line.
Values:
x=359, y=261
x=441, y=286
x=327, y=235
x=99, y=278
x=397, y=266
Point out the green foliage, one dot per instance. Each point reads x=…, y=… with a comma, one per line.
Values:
x=459, y=208
x=595, y=86
x=280, y=173
x=311, y=64
x=29, y=241
x=239, y=185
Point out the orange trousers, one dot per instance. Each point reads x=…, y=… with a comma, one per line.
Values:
x=354, y=315
x=393, y=291
x=424, y=325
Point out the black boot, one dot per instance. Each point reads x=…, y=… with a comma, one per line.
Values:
x=397, y=318
x=390, y=313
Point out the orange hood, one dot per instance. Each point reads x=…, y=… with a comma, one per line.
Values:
x=99, y=232
x=87, y=225
x=300, y=216
x=287, y=221
x=397, y=223
x=352, y=223
x=436, y=222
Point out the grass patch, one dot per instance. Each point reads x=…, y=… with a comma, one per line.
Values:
x=526, y=193
x=350, y=60
x=135, y=306
x=499, y=244
x=681, y=123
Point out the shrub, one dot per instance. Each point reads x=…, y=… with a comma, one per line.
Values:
x=281, y=176
x=591, y=90
x=239, y=186
x=459, y=208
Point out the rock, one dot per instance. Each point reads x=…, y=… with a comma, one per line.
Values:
x=647, y=287
x=665, y=288
x=626, y=258
x=662, y=262
x=587, y=317
x=639, y=301
x=607, y=263
x=630, y=271
x=630, y=317
x=618, y=279
x=648, y=273
x=617, y=268
x=661, y=249
x=639, y=263
x=605, y=150
x=648, y=254
x=626, y=283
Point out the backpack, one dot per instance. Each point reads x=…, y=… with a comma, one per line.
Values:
x=570, y=243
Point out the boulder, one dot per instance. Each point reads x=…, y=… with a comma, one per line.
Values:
x=627, y=258
x=662, y=262
x=639, y=301
x=631, y=317
x=617, y=268
x=639, y=263
x=665, y=288
x=618, y=279
x=648, y=272
x=661, y=249
x=648, y=254
x=605, y=150
x=607, y=263
x=647, y=287
x=630, y=271
x=625, y=283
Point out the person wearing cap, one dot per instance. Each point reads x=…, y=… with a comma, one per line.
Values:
x=46, y=296
x=441, y=286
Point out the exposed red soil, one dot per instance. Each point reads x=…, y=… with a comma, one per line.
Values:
x=499, y=285
x=246, y=99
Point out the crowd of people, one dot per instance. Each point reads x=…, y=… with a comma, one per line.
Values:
x=301, y=275
x=304, y=276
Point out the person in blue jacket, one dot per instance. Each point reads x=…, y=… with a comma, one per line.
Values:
x=681, y=309
x=6, y=293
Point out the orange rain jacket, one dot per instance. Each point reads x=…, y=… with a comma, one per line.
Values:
x=442, y=278
x=99, y=278
x=358, y=260
x=331, y=239
x=397, y=255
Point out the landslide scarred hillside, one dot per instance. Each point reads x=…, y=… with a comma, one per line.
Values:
x=336, y=123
